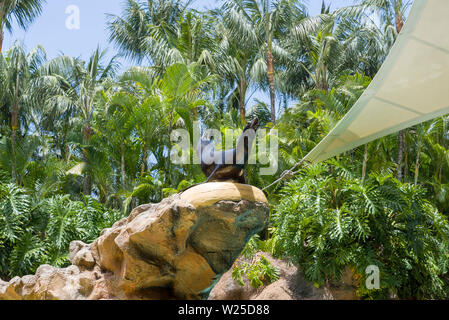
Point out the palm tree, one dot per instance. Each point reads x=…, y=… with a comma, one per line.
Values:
x=333, y=45
x=145, y=112
x=261, y=23
x=73, y=85
x=162, y=32
x=19, y=71
x=235, y=61
x=111, y=123
x=143, y=22
x=391, y=12
x=165, y=103
x=24, y=12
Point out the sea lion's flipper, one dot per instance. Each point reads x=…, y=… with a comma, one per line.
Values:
x=241, y=179
x=213, y=172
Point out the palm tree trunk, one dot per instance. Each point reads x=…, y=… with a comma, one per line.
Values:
x=1, y=40
x=144, y=160
x=365, y=161
x=405, y=171
x=122, y=165
x=321, y=78
x=270, y=69
x=67, y=153
x=14, y=126
x=401, y=147
x=399, y=22
x=103, y=195
x=418, y=154
x=87, y=185
x=400, y=154
x=1, y=25
x=242, y=100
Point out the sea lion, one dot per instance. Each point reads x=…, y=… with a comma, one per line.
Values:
x=227, y=164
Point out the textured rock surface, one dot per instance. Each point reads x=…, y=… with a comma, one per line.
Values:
x=291, y=285
x=170, y=250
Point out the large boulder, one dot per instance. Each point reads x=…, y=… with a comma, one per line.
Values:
x=170, y=250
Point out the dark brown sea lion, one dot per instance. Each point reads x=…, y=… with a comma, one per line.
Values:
x=228, y=164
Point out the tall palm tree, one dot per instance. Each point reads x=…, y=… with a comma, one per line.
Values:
x=391, y=13
x=163, y=103
x=19, y=71
x=141, y=22
x=331, y=46
x=237, y=60
x=72, y=84
x=162, y=32
x=262, y=23
x=24, y=12
x=111, y=123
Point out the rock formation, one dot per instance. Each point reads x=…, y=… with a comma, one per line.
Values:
x=169, y=250
x=291, y=285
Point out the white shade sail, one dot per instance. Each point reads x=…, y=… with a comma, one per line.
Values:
x=411, y=87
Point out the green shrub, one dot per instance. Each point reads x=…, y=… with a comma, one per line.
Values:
x=257, y=272
x=38, y=231
x=327, y=221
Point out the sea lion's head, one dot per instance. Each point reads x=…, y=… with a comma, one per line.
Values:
x=253, y=124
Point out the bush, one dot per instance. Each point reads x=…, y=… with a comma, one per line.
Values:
x=257, y=272
x=327, y=221
x=37, y=231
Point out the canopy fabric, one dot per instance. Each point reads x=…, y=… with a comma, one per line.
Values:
x=411, y=87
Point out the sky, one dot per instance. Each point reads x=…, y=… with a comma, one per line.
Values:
x=56, y=29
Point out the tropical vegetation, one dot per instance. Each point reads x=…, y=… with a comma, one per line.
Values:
x=82, y=143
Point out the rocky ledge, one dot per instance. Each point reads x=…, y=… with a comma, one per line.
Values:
x=170, y=250
x=291, y=285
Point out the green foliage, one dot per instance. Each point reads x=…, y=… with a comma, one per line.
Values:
x=80, y=145
x=328, y=220
x=258, y=273
x=255, y=244
x=14, y=204
x=36, y=233
x=23, y=11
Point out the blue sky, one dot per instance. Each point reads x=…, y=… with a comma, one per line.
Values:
x=50, y=30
